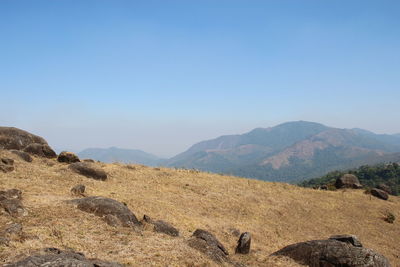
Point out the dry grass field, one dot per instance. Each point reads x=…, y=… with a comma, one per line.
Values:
x=276, y=214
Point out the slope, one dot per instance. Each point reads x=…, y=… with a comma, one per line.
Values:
x=276, y=214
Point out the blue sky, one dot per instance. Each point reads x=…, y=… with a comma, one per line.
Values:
x=162, y=75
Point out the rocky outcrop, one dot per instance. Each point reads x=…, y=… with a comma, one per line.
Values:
x=348, y=181
x=162, y=226
x=244, y=242
x=379, y=193
x=208, y=244
x=102, y=206
x=58, y=258
x=16, y=139
x=89, y=170
x=332, y=253
x=6, y=165
x=10, y=202
x=23, y=155
x=351, y=239
x=67, y=157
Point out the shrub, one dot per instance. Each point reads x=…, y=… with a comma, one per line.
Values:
x=389, y=217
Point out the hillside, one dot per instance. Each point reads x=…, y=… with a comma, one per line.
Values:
x=369, y=176
x=288, y=152
x=276, y=214
x=114, y=154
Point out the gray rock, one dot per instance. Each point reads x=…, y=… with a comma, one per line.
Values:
x=6, y=165
x=41, y=150
x=102, y=206
x=23, y=155
x=112, y=220
x=13, y=207
x=162, y=226
x=348, y=181
x=332, y=253
x=57, y=258
x=10, y=201
x=208, y=244
x=385, y=188
x=67, y=157
x=88, y=170
x=379, y=194
x=78, y=190
x=244, y=242
x=351, y=239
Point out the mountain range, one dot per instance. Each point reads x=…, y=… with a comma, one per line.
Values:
x=288, y=152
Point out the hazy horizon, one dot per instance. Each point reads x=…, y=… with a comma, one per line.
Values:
x=160, y=76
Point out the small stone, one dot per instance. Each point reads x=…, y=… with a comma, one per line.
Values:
x=243, y=246
x=78, y=190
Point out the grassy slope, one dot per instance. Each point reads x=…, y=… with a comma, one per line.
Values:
x=276, y=214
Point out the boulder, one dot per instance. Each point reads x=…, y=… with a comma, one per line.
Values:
x=41, y=150
x=348, y=181
x=68, y=157
x=23, y=155
x=78, y=190
x=6, y=165
x=351, y=239
x=57, y=258
x=88, y=170
x=162, y=226
x=332, y=253
x=379, y=193
x=208, y=244
x=243, y=245
x=102, y=206
x=385, y=188
x=14, y=138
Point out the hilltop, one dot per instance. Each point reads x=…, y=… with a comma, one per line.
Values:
x=276, y=214
x=289, y=152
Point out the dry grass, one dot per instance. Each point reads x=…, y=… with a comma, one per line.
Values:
x=276, y=214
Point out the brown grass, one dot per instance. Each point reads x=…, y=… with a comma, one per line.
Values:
x=276, y=214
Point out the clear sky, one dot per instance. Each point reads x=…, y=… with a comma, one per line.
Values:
x=162, y=75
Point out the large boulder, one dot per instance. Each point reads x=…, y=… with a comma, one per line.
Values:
x=208, y=244
x=332, y=253
x=88, y=170
x=57, y=258
x=348, y=181
x=68, y=157
x=379, y=193
x=16, y=139
x=102, y=206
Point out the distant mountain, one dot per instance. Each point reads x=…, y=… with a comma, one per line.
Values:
x=114, y=154
x=288, y=152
